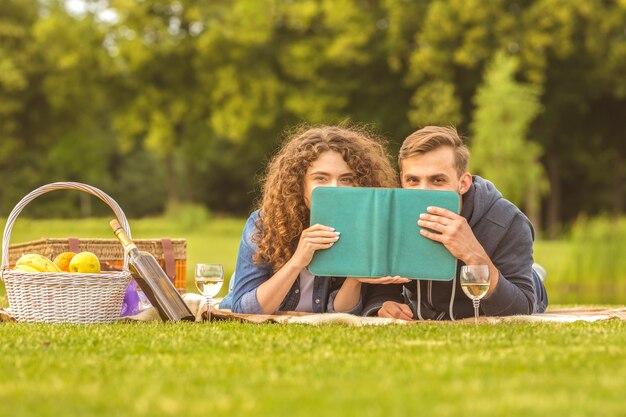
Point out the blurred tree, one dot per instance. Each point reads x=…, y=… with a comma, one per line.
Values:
x=199, y=93
x=57, y=98
x=572, y=51
x=152, y=47
x=16, y=20
x=500, y=147
x=243, y=71
x=451, y=46
x=75, y=86
x=576, y=52
x=140, y=186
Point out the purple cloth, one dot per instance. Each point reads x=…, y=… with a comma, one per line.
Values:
x=130, y=305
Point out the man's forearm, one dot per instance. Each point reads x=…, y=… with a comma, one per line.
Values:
x=508, y=298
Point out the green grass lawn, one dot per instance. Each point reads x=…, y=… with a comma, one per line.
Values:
x=233, y=369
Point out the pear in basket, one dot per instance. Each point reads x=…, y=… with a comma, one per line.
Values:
x=63, y=261
x=38, y=262
x=85, y=263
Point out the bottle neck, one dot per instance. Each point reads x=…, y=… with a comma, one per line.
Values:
x=128, y=244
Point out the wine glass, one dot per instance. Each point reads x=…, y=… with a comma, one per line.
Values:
x=209, y=280
x=475, y=284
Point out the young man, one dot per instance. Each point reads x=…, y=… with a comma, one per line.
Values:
x=489, y=231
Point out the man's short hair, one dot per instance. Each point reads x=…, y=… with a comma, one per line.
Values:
x=430, y=138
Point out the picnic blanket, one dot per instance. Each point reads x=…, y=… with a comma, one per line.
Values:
x=198, y=306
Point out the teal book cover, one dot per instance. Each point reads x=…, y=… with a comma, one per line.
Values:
x=379, y=233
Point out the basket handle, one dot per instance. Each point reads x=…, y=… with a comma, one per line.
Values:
x=52, y=187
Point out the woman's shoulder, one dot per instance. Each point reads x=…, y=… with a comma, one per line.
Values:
x=251, y=227
x=253, y=218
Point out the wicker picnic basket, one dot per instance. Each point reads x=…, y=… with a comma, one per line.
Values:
x=170, y=253
x=54, y=297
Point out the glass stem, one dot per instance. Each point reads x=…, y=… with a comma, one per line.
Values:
x=476, y=302
x=209, y=303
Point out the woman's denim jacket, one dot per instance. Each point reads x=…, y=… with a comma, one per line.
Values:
x=249, y=276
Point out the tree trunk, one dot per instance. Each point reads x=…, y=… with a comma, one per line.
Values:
x=554, y=198
x=171, y=183
x=533, y=207
x=618, y=186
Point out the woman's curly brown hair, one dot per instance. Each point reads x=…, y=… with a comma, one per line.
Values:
x=283, y=211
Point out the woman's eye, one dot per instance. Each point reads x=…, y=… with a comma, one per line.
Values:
x=319, y=179
x=347, y=180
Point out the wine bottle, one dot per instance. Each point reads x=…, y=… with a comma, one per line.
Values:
x=153, y=281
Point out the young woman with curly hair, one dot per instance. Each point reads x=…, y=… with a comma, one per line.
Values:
x=278, y=243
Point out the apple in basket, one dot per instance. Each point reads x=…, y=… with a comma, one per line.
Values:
x=63, y=261
x=85, y=263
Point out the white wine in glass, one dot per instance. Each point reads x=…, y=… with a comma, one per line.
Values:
x=475, y=284
x=209, y=280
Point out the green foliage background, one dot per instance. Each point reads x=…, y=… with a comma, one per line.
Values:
x=163, y=101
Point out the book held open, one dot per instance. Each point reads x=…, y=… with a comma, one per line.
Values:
x=379, y=233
